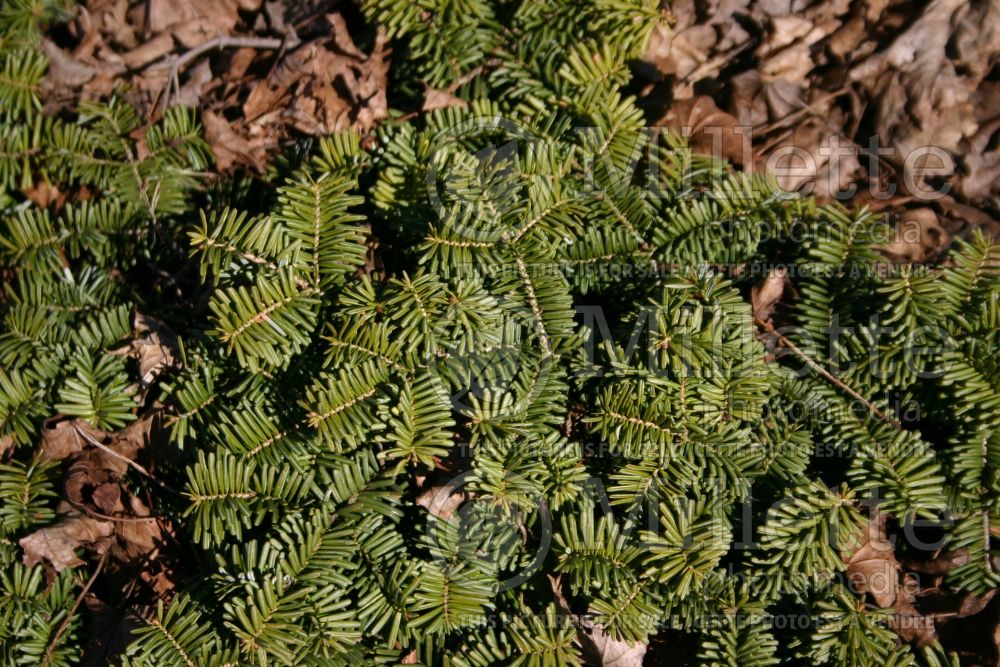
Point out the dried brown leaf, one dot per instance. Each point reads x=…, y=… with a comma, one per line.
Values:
x=607, y=651
x=711, y=131
x=918, y=236
x=190, y=93
x=45, y=195
x=946, y=606
x=766, y=295
x=108, y=496
x=149, y=51
x=942, y=564
x=441, y=99
x=873, y=568
x=60, y=440
x=155, y=348
x=341, y=37
x=193, y=22
x=910, y=624
x=65, y=72
x=138, y=539
x=57, y=544
x=442, y=501
x=268, y=94
x=598, y=646
x=229, y=148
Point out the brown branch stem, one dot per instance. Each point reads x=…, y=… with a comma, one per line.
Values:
x=825, y=374
x=72, y=612
x=138, y=468
x=219, y=43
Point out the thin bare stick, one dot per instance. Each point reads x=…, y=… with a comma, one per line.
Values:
x=80, y=507
x=138, y=468
x=221, y=42
x=807, y=107
x=825, y=374
x=705, y=69
x=72, y=612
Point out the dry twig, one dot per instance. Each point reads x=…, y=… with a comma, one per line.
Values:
x=827, y=375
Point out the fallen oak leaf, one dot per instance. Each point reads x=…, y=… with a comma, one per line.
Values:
x=57, y=544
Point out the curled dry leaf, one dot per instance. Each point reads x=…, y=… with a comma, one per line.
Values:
x=104, y=514
x=922, y=608
x=910, y=76
x=326, y=85
x=710, y=130
x=88, y=482
x=252, y=95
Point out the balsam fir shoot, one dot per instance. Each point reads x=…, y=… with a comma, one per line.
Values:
x=482, y=387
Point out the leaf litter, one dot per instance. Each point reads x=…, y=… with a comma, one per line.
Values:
x=261, y=74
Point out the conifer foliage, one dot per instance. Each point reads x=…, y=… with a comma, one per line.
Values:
x=479, y=388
